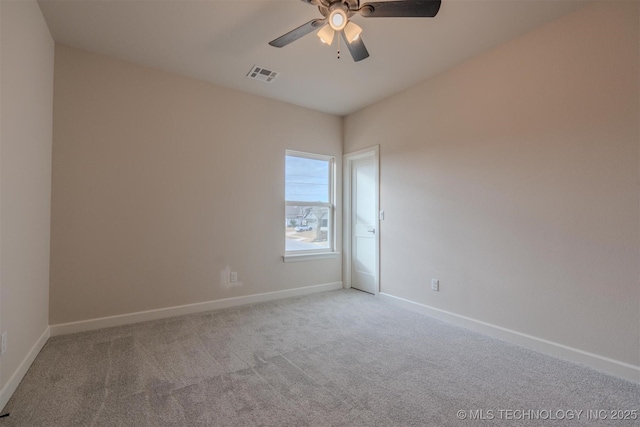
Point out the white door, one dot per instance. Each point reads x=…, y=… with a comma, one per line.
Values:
x=364, y=215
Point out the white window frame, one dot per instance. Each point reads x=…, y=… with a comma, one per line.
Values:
x=319, y=253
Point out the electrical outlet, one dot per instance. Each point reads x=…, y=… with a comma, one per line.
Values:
x=3, y=346
x=435, y=285
x=233, y=277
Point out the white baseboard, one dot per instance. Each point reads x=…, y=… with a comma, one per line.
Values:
x=601, y=363
x=11, y=385
x=144, y=316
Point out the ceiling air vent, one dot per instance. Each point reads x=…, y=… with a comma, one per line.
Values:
x=262, y=74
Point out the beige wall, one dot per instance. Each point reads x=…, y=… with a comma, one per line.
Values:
x=1, y=329
x=160, y=183
x=514, y=179
x=25, y=178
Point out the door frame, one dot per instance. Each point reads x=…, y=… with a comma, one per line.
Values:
x=348, y=160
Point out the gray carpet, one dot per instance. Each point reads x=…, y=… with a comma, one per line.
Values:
x=340, y=358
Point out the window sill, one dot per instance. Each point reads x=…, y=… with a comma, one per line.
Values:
x=309, y=257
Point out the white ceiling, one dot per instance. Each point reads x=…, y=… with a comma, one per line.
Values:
x=219, y=40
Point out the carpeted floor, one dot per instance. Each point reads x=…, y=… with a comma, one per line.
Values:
x=340, y=358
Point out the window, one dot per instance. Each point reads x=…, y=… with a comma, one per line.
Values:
x=309, y=203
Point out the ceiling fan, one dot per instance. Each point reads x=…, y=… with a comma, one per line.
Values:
x=336, y=19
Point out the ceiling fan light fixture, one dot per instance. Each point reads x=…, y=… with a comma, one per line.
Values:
x=338, y=19
x=336, y=15
x=326, y=34
x=352, y=32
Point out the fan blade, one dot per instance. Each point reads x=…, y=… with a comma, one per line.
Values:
x=407, y=8
x=294, y=35
x=357, y=49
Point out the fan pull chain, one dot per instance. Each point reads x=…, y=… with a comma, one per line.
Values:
x=338, y=46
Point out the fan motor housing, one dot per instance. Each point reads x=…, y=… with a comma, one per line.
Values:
x=348, y=6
